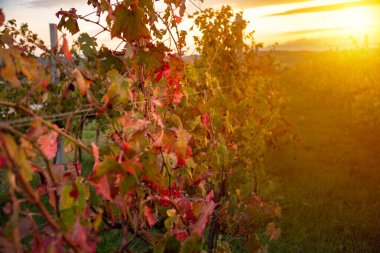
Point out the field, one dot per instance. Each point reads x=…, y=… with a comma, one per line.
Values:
x=327, y=182
x=145, y=147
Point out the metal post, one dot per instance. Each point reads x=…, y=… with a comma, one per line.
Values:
x=54, y=48
x=53, y=37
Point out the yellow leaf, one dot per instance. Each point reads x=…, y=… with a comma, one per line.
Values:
x=83, y=83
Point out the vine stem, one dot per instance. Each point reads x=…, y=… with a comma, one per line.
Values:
x=46, y=160
x=36, y=198
x=170, y=32
x=172, y=203
x=48, y=124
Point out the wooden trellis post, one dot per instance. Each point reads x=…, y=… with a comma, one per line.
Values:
x=54, y=47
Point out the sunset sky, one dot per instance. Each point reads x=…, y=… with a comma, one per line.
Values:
x=294, y=24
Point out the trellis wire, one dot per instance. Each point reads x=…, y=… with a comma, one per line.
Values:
x=89, y=112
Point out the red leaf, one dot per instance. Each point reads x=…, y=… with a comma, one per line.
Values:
x=177, y=95
x=2, y=18
x=44, y=84
x=65, y=49
x=181, y=235
x=178, y=19
x=103, y=187
x=201, y=223
x=80, y=236
x=48, y=144
x=174, y=70
x=7, y=209
x=74, y=193
x=180, y=162
x=3, y=162
x=210, y=196
x=205, y=119
x=150, y=216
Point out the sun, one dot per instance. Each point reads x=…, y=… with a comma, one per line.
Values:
x=355, y=21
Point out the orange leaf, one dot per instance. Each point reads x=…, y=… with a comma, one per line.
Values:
x=65, y=49
x=49, y=144
x=83, y=83
x=272, y=231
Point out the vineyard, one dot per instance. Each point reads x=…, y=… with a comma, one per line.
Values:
x=144, y=148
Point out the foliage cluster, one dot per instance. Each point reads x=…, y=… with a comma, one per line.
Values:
x=185, y=141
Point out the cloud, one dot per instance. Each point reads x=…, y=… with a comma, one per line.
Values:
x=324, y=8
x=50, y=3
x=309, y=31
x=304, y=45
x=251, y=3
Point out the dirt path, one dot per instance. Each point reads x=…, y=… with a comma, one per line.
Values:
x=329, y=183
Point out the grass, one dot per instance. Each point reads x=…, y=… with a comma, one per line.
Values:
x=327, y=184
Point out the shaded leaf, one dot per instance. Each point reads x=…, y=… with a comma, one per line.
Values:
x=192, y=244
x=272, y=231
x=148, y=213
x=16, y=157
x=129, y=23
x=87, y=44
x=120, y=87
x=202, y=220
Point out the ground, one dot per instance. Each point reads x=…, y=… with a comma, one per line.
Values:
x=328, y=182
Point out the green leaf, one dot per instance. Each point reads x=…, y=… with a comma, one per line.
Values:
x=128, y=184
x=18, y=158
x=87, y=44
x=66, y=201
x=151, y=170
x=129, y=23
x=107, y=61
x=68, y=218
x=160, y=246
x=120, y=87
x=108, y=166
x=192, y=244
x=69, y=23
x=152, y=56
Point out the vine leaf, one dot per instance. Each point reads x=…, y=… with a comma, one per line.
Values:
x=80, y=233
x=191, y=244
x=150, y=216
x=119, y=88
x=68, y=21
x=2, y=17
x=102, y=185
x=87, y=44
x=82, y=82
x=129, y=23
x=48, y=144
x=205, y=119
x=201, y=223
x=272, y=231
x=65, y=49
x=17, y=157
x=9, y=71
